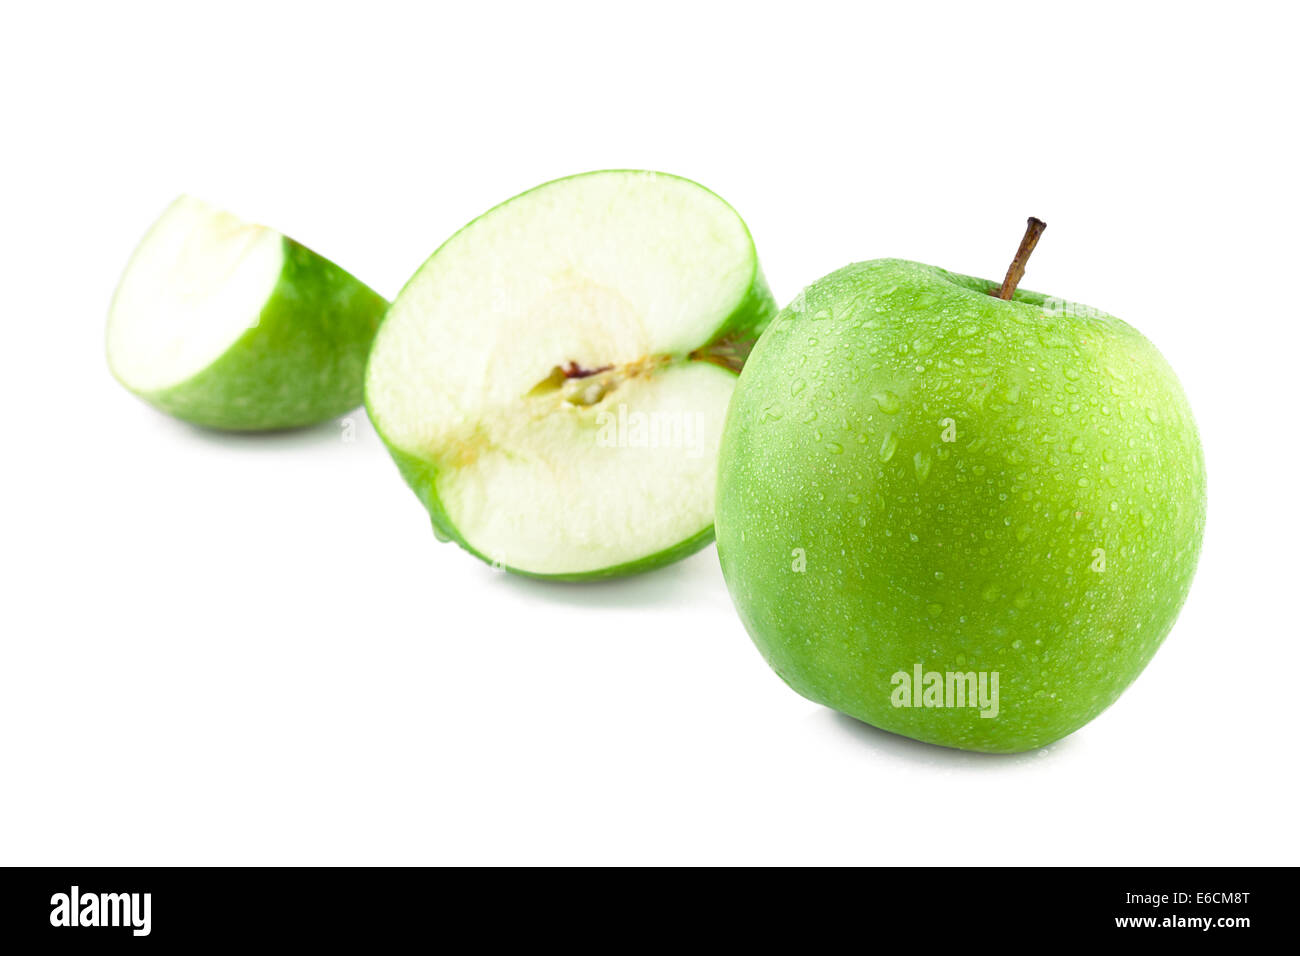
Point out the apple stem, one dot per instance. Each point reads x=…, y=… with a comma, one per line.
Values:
x=1016, y=271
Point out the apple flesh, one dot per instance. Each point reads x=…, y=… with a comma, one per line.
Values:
x=552, y=382
x=917, y=477
x=234, y=326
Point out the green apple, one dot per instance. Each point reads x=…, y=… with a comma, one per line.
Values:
x=231, y=325
x=552, y=382
x=963, y=519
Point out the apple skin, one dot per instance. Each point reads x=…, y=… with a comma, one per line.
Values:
x=301, y=364
x=728, y=346
x=1071, y=434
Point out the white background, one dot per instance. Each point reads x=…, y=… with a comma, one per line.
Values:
x=251, y=650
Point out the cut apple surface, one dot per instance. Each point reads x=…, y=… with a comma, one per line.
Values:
x=233, y=325
x=553, y=381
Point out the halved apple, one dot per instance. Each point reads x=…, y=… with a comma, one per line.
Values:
x=232, y=325
x=553, y=381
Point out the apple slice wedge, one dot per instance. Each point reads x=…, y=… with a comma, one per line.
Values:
x=553, y=381
x=232, y=325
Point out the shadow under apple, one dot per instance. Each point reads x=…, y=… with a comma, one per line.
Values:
x=693, y=581
x=912, y=751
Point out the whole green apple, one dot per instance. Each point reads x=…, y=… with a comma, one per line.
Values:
x=959, y=518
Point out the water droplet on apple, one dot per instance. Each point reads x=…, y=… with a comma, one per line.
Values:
x=888, y=446
x=887, y=402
